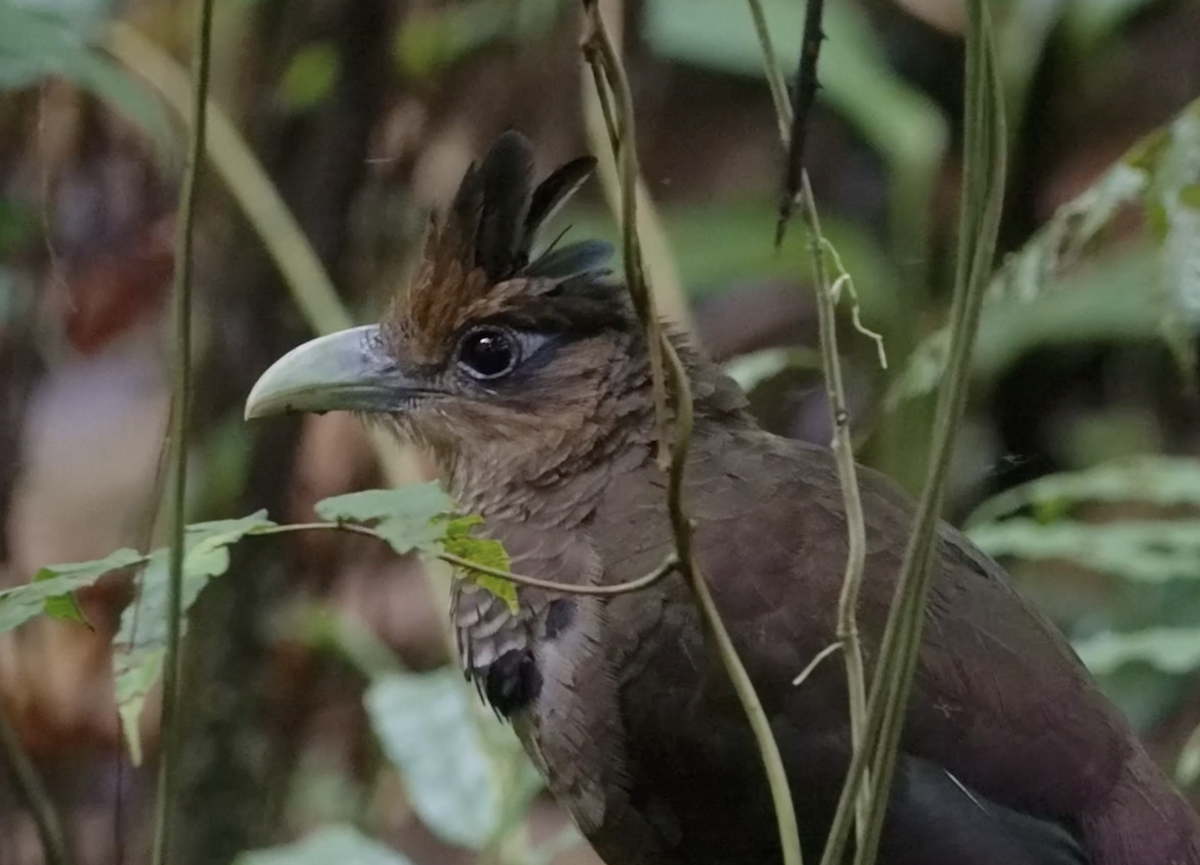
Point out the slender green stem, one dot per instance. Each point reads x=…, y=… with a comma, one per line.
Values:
x=202, y=50
x=29, y=786
x=842, y=444
x=983, y=188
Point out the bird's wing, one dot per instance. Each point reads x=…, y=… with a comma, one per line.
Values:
x=1000, y=704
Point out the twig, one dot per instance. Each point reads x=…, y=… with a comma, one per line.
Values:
x=202, y=49
x=602, y=54
x=27, y=783
x=670, y=564
x=803, y=96
x=814, y=663
x=835, y=393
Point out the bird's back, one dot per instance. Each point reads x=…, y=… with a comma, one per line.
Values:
x=1010, y=754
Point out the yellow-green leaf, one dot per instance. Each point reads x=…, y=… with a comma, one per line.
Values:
x=482, y=551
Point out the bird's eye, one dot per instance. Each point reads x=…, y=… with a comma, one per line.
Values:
x=488, y=353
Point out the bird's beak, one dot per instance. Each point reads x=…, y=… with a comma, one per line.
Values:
x=344, y=371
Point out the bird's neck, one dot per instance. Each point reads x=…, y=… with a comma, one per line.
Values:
x=557, y=475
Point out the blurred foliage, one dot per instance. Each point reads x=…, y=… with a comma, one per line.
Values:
x=1090, y=22
x=309, y=77
x=431, y=730
x=1054, y=518
x=344, y=845
x=1157, y=177
x=1155, y=479
x=745, y=252
x=37, y=42
x=432, y=39
x=1146, y=551
x=751, y=370
x=900, y=123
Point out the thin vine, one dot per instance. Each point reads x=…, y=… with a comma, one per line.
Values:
x=181, y=386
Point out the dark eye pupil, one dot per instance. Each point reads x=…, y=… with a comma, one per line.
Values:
x=487, y=354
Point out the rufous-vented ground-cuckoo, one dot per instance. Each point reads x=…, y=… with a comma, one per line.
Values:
x=526, y=376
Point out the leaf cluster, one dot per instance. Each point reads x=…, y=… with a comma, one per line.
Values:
x=419, y=519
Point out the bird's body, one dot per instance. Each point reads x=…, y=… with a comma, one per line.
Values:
x=1005, y=721
x=1010, y=755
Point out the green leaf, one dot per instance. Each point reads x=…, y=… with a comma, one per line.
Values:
x=1151, y=552
x=427, y=727
x=140, y=644
x=1169, y=650
x=50, y=590
x=432, y=38
x=417, y=502
x=1160, y=480
x=309, y=77
x=420, y=518
x=408, y=518
x=343, y=845
x=35, y=44
x=482, y=551
x=63, y=607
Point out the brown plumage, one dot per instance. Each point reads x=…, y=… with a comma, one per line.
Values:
x=527, y=378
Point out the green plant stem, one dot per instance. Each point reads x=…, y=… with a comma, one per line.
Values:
x=982, y=198
x=182, y=294
x=842, y=444
x=30, y=788
x=608, y=71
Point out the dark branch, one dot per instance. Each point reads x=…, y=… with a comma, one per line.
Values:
x=804, y=93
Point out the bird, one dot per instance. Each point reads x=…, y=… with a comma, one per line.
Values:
x=522, y=369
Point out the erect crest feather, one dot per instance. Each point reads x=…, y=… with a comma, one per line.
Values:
x=485, y=239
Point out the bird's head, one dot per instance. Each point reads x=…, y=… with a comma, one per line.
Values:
x=495, y=358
